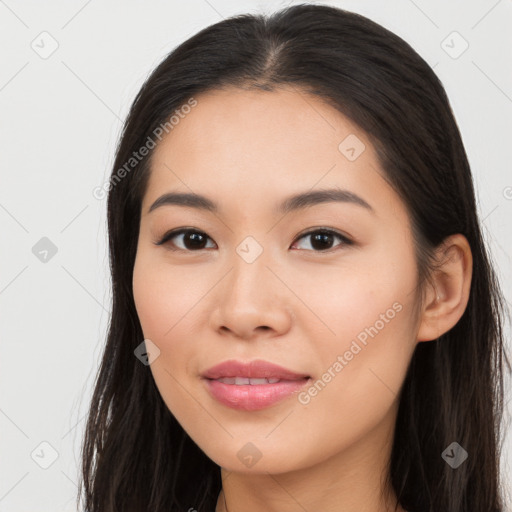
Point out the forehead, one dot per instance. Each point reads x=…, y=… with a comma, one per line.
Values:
x=243, y=124
x=241, y=143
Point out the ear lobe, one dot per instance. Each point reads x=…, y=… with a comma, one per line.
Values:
x=448, y=295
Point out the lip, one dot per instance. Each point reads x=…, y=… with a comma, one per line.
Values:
x=252, y=397
x=256, y=369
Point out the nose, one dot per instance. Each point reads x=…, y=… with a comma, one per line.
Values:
x=252, y=301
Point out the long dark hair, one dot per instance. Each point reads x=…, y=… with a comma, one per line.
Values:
x=135, y=455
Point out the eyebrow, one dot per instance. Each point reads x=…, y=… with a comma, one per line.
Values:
x=293, y=203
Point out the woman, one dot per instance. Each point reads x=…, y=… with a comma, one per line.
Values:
x=304, y=313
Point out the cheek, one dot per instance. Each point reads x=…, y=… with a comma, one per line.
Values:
x=365, y=293
x=163, y=295
x=364, y=360
x=360, y=371
x=367, y=317
x=169, y=301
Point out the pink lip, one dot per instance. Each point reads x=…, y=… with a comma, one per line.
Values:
x=252, y=397
x=256, y=369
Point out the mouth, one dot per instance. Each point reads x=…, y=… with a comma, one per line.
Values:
x=252, y=386
x=253, y=397
x=244, y=381
x=253, y=370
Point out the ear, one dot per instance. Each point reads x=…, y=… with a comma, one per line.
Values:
x=448, y=293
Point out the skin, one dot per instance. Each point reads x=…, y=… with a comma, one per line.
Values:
x=295, y=305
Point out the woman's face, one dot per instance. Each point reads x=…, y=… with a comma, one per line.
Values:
x=249, y=283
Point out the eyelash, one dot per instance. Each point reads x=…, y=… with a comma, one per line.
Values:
x=171, y=234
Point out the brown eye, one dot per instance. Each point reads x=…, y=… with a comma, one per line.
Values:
x=190, y=239
x=323, y=239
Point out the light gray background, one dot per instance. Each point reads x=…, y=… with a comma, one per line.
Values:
x=59, y=123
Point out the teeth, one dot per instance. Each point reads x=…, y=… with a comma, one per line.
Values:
x=243, y=381
x=227, y=380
